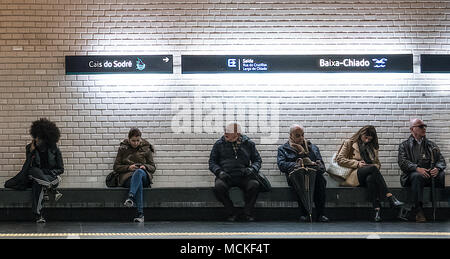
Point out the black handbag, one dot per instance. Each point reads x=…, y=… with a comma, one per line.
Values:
x=112, y=179
x=264, y=183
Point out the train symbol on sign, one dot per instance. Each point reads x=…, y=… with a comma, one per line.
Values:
x=140, y=65
x=379, y=63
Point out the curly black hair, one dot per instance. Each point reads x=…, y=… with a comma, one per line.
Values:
x=45, y=130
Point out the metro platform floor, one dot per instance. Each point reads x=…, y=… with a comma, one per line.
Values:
x=224, y=230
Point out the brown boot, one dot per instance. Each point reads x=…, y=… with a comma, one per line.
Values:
x=420, y=216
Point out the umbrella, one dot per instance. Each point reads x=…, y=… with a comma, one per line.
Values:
x=434, y=156
x=303, y=180
x=433, y=197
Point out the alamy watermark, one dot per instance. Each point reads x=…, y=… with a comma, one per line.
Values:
x=206, y=114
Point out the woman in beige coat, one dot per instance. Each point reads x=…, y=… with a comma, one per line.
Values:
x=360, y=153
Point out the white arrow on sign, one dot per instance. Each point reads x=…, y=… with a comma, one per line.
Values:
x=166, y=59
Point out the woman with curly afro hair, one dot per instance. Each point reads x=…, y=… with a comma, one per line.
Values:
x=43, y=166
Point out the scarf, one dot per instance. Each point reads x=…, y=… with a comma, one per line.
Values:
x=236, y=145
x=366, y=152
x=304, y=162
x=301, y=150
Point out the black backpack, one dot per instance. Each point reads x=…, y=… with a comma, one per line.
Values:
x=112, y=179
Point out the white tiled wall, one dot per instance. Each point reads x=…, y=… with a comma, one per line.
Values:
x=96, y=112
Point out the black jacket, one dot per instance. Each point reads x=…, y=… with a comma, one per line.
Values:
x=222, y=157
x=287, y=156
x=55, y=167
x=407, y=159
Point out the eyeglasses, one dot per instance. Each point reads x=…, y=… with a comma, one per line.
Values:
x=423, y=126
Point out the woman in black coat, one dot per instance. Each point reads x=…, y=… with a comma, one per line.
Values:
x=43, y=166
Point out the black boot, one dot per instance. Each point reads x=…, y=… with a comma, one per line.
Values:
x=322, y=218
x=394, y=202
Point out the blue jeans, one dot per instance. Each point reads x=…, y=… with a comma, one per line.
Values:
x=139, y=180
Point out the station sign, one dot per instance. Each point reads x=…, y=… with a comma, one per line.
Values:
x=122, y=64
x=434, y=63
x=373, y=63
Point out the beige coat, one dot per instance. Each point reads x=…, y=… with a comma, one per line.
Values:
x=349, y=157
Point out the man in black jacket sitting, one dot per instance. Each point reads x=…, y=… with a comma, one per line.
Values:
x=233, y=159
x=420, y=160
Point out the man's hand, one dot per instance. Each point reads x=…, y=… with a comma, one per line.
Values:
x=423, y=172
x=434, y=172
x=224, y=176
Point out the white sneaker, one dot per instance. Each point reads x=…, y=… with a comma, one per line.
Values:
x=40, y=219
x=139, y=218
x=58, y=196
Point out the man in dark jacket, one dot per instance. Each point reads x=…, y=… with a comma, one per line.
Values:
x=42, y=168
x=299, y=148
x=420, y=160
x=233, y=160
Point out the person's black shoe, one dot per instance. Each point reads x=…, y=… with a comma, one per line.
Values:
x=377, y=217
x=394, y=202
x=249, y=218
x=232, y=218
x=323, y=219
x=403, y=214
x=303, y=219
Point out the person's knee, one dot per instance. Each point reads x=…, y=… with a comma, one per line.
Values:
x=140, y=172
x=253, y=185
x=34, y=171
x=370, y=178
x=416, y=178
x=373, y=169
x=220, y=185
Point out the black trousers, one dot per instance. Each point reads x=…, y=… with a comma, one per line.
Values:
x=417, y=182
x=319, y=196
x=249, y=186
x=370, y=177
x=40, y=182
